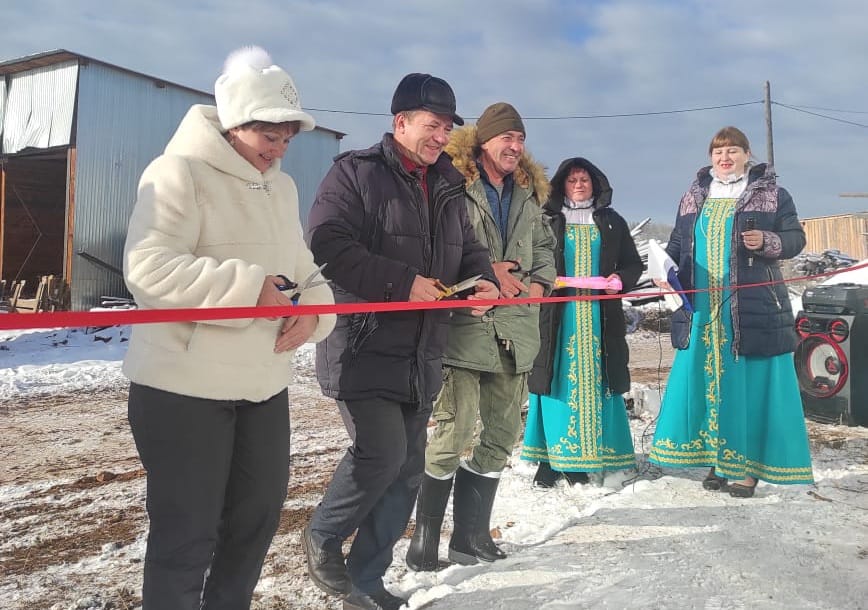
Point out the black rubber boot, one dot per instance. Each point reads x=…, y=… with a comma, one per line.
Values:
x=471, y=537
x=430, y=507
x=545, y=477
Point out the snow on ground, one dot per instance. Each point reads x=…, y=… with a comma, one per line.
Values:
x=60, y=360
x=843, y=276
x=637, y=539
x=853, y=276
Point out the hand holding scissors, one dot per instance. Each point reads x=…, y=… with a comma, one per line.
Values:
x=298, y=288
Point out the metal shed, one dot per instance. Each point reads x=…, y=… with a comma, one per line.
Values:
x=75, y=135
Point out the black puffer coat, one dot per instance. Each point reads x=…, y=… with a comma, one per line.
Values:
x=371, y=225
x=762, y=317
x=617, y=255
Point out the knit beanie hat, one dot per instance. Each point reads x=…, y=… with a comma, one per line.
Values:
x=496, y=119
x=252, y=88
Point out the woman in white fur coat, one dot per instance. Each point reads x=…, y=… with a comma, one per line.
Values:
x=216, y=225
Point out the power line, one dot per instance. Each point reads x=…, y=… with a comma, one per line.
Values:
x=802, y=109
x=630, y=114
x=349, y=112
x=569, y=117
x=823, y=116
x=830, y=109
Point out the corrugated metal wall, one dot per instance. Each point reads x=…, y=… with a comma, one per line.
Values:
x=2, y=106
x=845, y=232
x=307, y=160
x=124, y=122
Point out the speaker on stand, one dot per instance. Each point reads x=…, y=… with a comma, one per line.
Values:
x=832, y=354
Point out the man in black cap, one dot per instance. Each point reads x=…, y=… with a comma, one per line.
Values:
x=391, y=224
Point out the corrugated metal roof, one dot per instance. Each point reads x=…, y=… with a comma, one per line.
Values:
x=38, y=60
x=48, y=58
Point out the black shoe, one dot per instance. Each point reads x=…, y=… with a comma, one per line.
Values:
x=712, y=482
x=576, y=478
x=545, y=477
x=377, y=600
x=739, y=490
x=326, y=569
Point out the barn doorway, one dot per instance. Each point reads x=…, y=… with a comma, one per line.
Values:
x=33, y=211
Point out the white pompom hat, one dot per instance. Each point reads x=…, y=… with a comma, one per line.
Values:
x=252, y=88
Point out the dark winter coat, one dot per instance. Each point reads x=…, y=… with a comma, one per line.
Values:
x=762, y=317
x=618, y=254
x=371, y=225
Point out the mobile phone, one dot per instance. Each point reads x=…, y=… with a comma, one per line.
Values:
x=750, y=225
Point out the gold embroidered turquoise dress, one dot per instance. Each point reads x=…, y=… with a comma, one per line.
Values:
x=580, y=427
x=742, y=415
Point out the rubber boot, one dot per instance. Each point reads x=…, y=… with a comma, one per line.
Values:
x=471, y=536
x=545, y=477
x=430, y=508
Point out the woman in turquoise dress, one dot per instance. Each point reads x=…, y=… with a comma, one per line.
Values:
x=577, y=420
x=732, y=400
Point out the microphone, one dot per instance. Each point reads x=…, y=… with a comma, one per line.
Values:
x=750, y=225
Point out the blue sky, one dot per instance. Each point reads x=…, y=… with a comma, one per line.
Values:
x=548, y=58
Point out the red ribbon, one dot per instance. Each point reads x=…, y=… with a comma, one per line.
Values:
x=64, y=319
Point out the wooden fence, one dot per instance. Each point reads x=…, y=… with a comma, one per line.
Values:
x=845, y=232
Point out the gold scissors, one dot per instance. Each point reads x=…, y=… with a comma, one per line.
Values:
x=448, y=291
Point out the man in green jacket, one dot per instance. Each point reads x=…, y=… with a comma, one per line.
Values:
x=488, y=358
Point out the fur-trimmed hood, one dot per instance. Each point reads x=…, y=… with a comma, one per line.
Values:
x=529, y=174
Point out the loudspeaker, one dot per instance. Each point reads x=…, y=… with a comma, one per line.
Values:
x=832, y=353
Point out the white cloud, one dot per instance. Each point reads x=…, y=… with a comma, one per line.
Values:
x=548, y=58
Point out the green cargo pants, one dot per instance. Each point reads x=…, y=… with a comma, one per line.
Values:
x=495, y=398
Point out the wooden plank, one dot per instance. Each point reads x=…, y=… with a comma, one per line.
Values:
x=17, y=287
x=70, y=215
x=2, y=212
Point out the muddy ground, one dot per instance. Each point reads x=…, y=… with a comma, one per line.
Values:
x=72, y=519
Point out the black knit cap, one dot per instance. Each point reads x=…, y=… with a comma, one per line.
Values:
x=418, y=91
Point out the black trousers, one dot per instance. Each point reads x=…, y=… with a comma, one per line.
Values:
x=217, y=477
x=374, y=486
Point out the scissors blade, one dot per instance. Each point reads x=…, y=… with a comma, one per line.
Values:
x=462, y=285
x=308, y=281
x=529, y=272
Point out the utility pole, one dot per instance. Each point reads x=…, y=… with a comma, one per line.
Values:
x=770, y=147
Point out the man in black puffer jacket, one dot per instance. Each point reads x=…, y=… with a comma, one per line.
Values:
x=389, y=222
